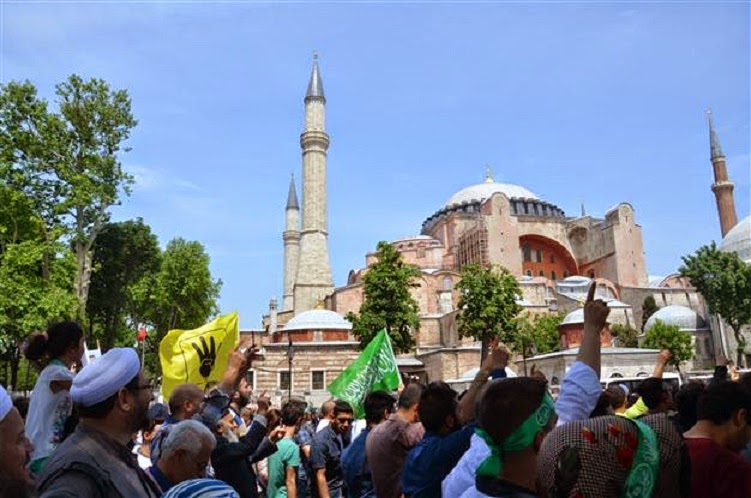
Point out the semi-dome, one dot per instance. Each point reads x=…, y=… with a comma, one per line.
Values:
x=738, y=240
x=576, y=316
x=318, y=320
x=685, y=318
x=483, y=191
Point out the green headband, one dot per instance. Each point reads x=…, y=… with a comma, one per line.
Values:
x=521, y=438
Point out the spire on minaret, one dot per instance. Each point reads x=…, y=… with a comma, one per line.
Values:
x=315, y=86
x=714, y=143
x=584, y=212
x=488, y=174
x=292, y=195
x=722, y=186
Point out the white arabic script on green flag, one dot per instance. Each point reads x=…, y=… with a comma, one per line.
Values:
x=374, y=370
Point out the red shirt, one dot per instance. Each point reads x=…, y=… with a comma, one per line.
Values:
x=717, y=472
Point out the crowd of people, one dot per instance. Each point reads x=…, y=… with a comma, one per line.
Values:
x=99, y=433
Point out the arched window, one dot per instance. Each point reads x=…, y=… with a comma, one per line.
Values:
x=529, y=273
x=526, y=253
x=447, y=283
x=553, y=275
x=591, y=274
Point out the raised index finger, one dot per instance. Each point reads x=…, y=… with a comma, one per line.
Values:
x=591, y=292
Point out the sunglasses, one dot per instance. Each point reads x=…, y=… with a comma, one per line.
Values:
x=345, y=420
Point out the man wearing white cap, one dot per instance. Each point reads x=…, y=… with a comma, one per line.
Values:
x=15, y=450
x=112, y=398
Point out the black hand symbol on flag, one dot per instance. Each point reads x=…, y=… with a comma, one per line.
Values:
x=206, y=356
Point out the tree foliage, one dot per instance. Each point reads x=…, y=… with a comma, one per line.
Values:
x=488, y=308
x=388, y=303
x=724, y=281
x=626, y=335
x=182, y=294
x=648, y=308
x=124, y=253
x=538, y=334
x=67, y=163
x=672, y=338
x=29, y=299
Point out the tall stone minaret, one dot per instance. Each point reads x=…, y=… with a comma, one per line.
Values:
x=722, y=186
x=313, y=280
x=291, y=238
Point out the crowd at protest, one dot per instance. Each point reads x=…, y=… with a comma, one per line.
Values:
x=99, y=433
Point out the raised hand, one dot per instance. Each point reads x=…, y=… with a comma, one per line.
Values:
x=595, y=310
x=664, y=356
x=206, y=355
x=277, y=434
x=499, y=357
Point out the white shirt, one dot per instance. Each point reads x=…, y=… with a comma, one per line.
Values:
x=322, y=424
x=579, y=394
x=48, y=411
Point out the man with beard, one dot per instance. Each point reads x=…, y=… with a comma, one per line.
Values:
x=15, y=448
x=112, y=398
x=240, y=398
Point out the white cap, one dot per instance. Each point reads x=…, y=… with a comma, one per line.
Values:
x=6, y=404
x=103, y=378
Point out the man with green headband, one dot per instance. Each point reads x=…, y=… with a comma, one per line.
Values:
x=514, y=439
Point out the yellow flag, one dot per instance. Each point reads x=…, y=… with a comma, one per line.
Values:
x=198, y=356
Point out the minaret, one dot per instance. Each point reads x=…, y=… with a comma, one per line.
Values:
x=313, y=280
x=291, y=238
x=722, y=186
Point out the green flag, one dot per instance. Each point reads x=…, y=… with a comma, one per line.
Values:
x=374, y=370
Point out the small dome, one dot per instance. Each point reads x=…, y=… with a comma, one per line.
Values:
x=576, y=316
x=318, y=320
x=738, y=240
x=683, y=317
x=483, y=191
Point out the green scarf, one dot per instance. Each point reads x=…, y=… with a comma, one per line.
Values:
x=645, y=469
x=521, y=438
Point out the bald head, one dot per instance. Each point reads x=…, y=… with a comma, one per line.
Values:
x=186, y=401
x=327, y=409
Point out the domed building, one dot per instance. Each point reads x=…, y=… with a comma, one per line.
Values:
x=690, y=321
x=738, y=240
x=554, y=255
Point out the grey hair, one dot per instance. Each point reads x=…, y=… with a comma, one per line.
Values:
x=184, y=436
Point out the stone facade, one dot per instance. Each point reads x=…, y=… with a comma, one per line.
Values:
x=312, y=280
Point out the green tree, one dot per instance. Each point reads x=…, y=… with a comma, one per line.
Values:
x=487, y=307
x=123, y=253
x=538, y=334
x=94, y=122
x=67, y=163
x=29, y=299
x=388, y=303
x=626, y=335
x=724, y=281
x=648, y=308
x=182, y=294
x=672, y=338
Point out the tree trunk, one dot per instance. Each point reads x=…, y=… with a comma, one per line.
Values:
x=740, y=348
x=484, y=351
x=83, y=278
x=15, y=359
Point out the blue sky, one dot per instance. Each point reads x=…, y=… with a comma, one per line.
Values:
x=596, y=101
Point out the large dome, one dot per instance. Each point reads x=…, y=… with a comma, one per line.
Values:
x=483, y=191
x=318, y=320
x=738, y=240
x=685, y=318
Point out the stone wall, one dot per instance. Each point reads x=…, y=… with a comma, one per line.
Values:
x=330, y=358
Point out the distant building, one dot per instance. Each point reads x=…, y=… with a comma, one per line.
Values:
x=555, y=257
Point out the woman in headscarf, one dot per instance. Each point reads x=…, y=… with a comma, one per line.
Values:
x=613, y=457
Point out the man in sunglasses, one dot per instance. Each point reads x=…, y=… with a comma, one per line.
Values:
x=326, y=452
